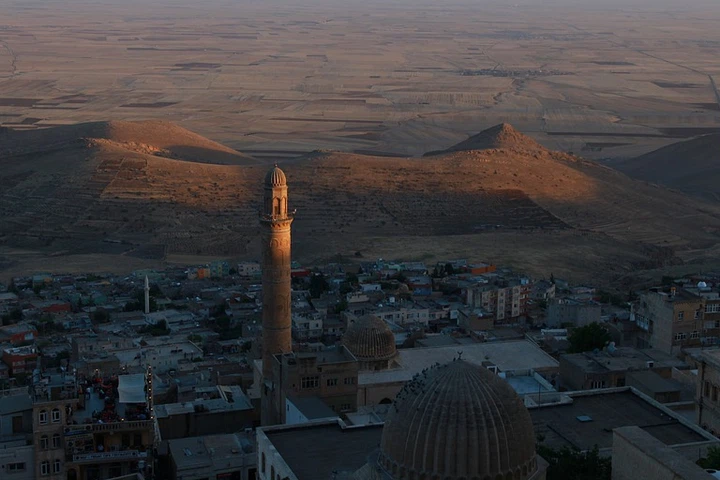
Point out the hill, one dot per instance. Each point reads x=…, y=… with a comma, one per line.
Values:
x=539, y=210
x=502, y=136
x=147, y=137
x=691, y=166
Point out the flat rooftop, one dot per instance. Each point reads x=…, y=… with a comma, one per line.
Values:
x=211, y=451
x=510, y=355
x=320, y=452
x=560, y=426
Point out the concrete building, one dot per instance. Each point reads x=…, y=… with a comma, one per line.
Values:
x=708, y=391
x=438, y=423
x=224, y=457
x=506, y=300
x=275, y=222
x=329, y=374
x=17, y=458
x=562, y=311
x=232, y=411
x=92, y=428
x=589, y=370
x=381, y=386
x=637, y=454
x=672, y=319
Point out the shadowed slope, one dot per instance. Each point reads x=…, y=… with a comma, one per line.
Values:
x=691, y=166
x=106, y=198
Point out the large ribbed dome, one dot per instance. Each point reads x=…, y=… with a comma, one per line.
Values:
x=275, y=178
x=457, y=421
x=370, y=338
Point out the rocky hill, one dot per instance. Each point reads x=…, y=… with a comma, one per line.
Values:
x=502, y=136
x=515, y=203
x=691, y=166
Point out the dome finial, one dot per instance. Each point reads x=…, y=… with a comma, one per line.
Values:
x=275, y=177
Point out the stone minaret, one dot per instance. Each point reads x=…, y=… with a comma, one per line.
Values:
x=275, y=222
x=147, y=295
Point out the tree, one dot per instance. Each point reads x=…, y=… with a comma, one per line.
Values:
x=318, y=285
x=589, y=337
x=711, y=460
x=101, y=316
x=449, y=269
x=573, y=464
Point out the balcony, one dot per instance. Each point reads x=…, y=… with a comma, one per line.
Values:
x=109, y=427
x=123, y=455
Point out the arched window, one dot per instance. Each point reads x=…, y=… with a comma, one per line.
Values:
x=57, y=466
x=44, y=442
x=56, y=440
x=262, y=466
x=276, y=208
x=43, y=417
x=272, y=473
x=56, y=415
x=45, y=468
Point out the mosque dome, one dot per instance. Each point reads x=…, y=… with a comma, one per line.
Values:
x=369, y=338
x=458, y=421
x=275, y=178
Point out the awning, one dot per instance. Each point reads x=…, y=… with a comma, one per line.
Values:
x=131, y=388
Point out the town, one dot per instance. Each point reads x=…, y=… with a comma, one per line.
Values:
x=159, y=372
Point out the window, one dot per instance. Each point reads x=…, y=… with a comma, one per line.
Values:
x=597, y=384
x=707, y=388
x=310, y=382
x=56, y=415
x=45, y=468
x=697, y=314
x=263, y=463
x=331, y=382
x=712, y=308
x=272, y=473
x=695, y=334
x=56, y=440
x=345, y=407
x=44, y=442
x=57, y=466
x=15, y=467
x=680, y=316
x=714, y=393
x=43, y=417
x=349, y=381
x=680, y=336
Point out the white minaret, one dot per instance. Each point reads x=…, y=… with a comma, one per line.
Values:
x=147, y=295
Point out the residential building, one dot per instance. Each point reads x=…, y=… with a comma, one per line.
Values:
x=672, y=319
x=608, y=369
x=567, y=311
x=330, y=374
x=229, y=456
x=506, y=300
x=20, y=360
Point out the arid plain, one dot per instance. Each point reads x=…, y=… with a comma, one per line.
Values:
x=276, y=81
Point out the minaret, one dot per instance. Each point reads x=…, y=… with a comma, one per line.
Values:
x=147, y=295
x=275, y=223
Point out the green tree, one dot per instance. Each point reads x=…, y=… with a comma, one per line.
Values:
x=449, y=269
x=318, y=285
x=341, y=306
x=711, y=460
x=573, y=464
x=589, y=337
x=101, y=316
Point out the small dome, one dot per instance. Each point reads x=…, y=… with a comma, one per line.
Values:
x=457, y=421
x=275, y=178
x=370, y=338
